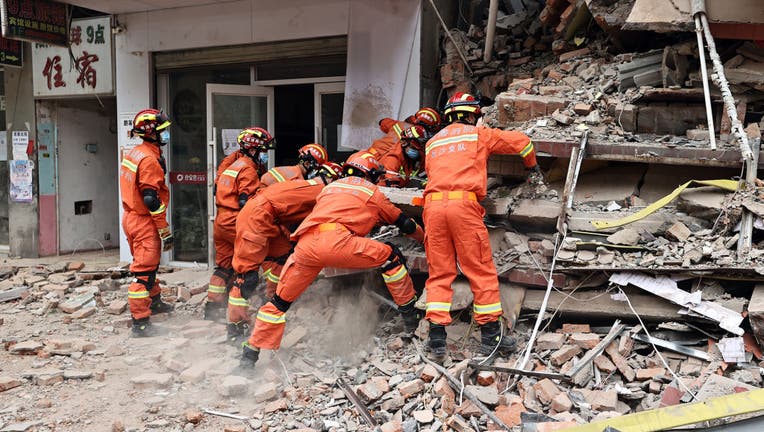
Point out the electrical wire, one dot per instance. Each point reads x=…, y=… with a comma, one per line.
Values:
x=655, y=348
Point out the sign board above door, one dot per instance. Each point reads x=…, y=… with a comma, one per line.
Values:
x=86, y=69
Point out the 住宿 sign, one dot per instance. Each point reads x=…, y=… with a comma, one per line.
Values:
x=43, y=21
x=87, y=71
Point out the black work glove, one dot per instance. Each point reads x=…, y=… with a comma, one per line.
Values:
x=535, y=176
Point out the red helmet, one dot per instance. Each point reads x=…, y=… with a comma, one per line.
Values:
x=427, y=117
x=459, y=105
x=256, y=138
x=364, y=164
x=330, y=170
x=313, y=154
x=149, y=121
x=416, y=136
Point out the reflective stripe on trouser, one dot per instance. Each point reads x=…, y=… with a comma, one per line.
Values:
x=145, y=246
x=216, y=289
x=238, y=306
x=314, y=251
x=271, y=272
x=399, y=284
x=455, y=230
x=224, y=236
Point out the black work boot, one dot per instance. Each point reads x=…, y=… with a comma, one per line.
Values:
x=158, y=306
x=411, y=317
x=249, y=356
x=436, y=345
x=214, y=311
x=238, y=332
x=491, y=339
x=142, y=328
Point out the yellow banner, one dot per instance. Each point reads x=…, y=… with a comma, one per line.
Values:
x=730, y=185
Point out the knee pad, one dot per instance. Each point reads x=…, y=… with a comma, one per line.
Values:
x=280, y=303
x=396, y=258
x=149, y=283
x=223, y=273
x=247, y=283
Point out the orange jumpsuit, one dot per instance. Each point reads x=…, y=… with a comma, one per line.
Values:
x=218, y=285
x=239, y=179
x=282, y=174
x=262, y=236
x=456, y=159
x=333, y=235
x=143, y=168
x=398, y=168
x=393, y=130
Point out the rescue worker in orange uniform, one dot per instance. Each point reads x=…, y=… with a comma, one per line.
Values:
x=456, y=164
x=333, y=235
x=428, y=118
x=144, y=199
x=262, y=238
x=217, y=289
x=310, y=157
x=404, y=160
x=236, y=184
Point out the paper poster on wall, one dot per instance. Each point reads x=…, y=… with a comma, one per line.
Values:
x=3, y=146
x=21, y=180
x=125, y=126
x=229, y=143
x=20, y=142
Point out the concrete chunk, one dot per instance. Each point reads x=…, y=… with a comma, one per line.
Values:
x=151, y=381
x=233, y=385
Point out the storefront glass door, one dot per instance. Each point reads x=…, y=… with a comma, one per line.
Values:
x=231, y=108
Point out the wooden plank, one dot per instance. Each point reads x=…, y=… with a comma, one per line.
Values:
x=582, y=379
x=12, y=294
x=598, y=305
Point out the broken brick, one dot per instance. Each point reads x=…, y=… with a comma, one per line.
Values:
x=561, y=403
x=429, y=373
x=602, y=400
x=576, y=328
x=546, y=391
x=7, y=383
x=678, y=232
x=582, y=108
x=442, y=388
x=584, y=340
x=646, y=374
x=486, y=378
x=550, y=341
x=620, y=362
x=411, y=388
x=562, y=355
x=604, y=364
x=574, y=54
x=277, y=405
x=510, y=415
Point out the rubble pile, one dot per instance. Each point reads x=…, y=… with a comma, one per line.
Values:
x=554, y=75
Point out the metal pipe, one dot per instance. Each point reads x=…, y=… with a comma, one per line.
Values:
x=450, y=36
x=721, y=81
x=706, y=91
x=490, y=31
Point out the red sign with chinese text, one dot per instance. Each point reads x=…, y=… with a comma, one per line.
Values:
x=188, y=177
x=42, y=21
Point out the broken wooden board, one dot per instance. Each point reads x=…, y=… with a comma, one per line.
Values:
x=667, y=288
